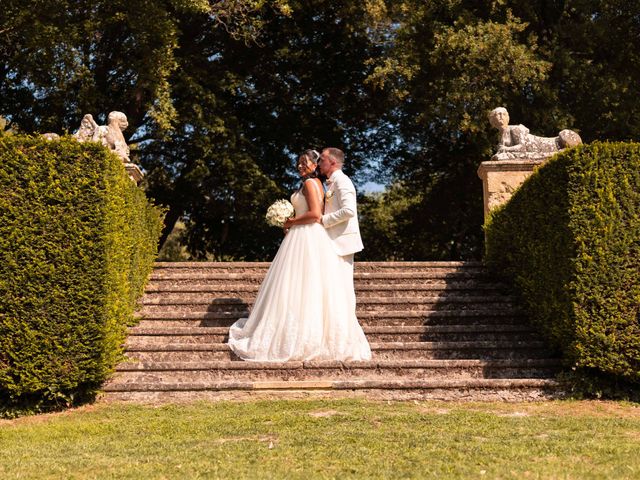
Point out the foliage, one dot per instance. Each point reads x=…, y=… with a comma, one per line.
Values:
x=384, y=225
x=569, y=240
x=327, y=439
x=250, y=110
x=221, y=96
x=77, y=240
x=173, y=249
x=554, y=65
x=217, y=114
x=594, y=384
x=74, y=57
x=405, y=223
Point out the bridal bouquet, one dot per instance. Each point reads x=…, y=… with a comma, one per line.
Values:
x=279, y=212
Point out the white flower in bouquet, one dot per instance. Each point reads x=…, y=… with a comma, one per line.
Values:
x=279, y=212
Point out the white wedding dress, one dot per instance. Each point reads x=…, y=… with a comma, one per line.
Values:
x=302, y=311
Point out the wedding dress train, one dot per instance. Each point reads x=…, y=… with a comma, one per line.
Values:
x=303, y=310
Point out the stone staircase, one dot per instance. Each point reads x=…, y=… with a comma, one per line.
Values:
x=438, y=330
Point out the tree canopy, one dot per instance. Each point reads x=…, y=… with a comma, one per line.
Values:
x=221, y=96
x=553, y=64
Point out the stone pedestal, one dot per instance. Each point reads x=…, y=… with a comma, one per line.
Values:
x=500, y=179
x=134, y=172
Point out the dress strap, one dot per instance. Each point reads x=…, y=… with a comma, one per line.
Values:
x=318, y=189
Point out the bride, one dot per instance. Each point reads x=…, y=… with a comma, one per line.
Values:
x=302, y=311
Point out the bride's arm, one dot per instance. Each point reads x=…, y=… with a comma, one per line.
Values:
x=311, y=191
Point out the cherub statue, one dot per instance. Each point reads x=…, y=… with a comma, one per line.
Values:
x=517, y=143
x=109, y=135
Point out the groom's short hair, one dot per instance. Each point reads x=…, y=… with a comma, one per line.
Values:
x=336, y=154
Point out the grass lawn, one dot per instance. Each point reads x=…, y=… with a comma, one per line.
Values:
x=327, y=439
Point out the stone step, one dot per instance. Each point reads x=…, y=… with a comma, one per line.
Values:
x=443, y=269
x=381, y=276
x=239, y=266
x=497, y=332
x=394, y=296
x=428, y=287
x=398, y=389
x=438, y=330
x=193, y=302
x=359, y=278
x=211, y=371
x=380, y=307
x=183, y=352
x=178, y=318
x=248, y=295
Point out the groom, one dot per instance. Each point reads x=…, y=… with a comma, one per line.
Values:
x=340, y=211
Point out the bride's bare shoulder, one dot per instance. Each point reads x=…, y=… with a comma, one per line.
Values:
x=313, y=182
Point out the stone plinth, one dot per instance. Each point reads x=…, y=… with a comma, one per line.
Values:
x=134, y=172
x=500, y=179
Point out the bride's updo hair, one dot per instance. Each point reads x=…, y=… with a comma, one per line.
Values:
x=312, y=156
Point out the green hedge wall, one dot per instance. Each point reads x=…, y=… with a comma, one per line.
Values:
x=77, y=243
x=569, y=240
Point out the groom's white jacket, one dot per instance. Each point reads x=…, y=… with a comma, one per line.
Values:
x=341, y=215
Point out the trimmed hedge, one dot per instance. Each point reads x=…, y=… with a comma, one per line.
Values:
x=77, y=243
x=569, y=240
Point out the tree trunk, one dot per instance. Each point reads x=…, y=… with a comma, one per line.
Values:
x=172, y=216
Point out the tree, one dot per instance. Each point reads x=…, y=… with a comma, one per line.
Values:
x=220, y=101
x=554, y=64
x=249, y=109
x=221, y=96
x=59, y=59
x=385, y=226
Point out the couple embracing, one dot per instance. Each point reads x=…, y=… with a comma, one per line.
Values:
x=306, y=306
